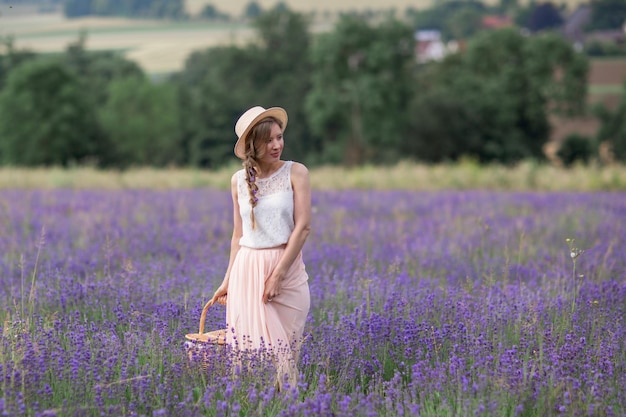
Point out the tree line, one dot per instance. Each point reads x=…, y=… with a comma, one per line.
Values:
x=172, y=9
x=155, y=9
x=453, y=18
x=354, y=94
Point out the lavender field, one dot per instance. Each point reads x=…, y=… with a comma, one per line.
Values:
x=466, y=303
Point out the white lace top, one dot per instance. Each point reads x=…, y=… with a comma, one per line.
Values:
x=273, y=213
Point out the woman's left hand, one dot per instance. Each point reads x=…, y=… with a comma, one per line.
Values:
x=272, y=289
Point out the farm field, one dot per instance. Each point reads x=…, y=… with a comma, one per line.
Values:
x=606, y=80
x=236, y=7
x=606, y=85
x=157, y=46
x=437, y=303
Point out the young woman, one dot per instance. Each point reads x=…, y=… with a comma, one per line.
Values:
x=266, y=282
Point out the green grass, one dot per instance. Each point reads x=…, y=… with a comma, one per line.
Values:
x=142, y=27
x=405, y=175
x=606, y=89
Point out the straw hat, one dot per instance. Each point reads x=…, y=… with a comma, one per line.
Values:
x=250, y=118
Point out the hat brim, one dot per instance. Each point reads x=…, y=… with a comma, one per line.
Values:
x=276, y=112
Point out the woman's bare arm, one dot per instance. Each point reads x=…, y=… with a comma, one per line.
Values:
x=302, y=227
x=220, y=294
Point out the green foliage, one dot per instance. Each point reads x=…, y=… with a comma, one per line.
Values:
x=45, y=118
x=214, y=88
x=11, y=58
x=607, y=14
x=218, y=84
x=83, y=87
x=521, y=14
x=576, y=148
x=361, y=81
x=284, y=73
x=77, y=8
x=212, y=13
x=508, y=6
x=442, y=127
x=252, y=10
x=281, y=6
x=444, y=16
x=463, y=23
x=613, y=127
x=97, y=69
x=544, y=16
x=559, y=73
x=598, y=48
x=354, y=94
x=141, y=120
x=501, y=88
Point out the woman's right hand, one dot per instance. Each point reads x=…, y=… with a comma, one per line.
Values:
x=218, y=297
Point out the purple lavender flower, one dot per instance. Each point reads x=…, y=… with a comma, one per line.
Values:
x=442, y=303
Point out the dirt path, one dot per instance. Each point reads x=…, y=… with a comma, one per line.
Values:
x=607, y=71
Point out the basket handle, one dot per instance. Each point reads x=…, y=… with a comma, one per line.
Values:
x=203, y=317
x=204, y=311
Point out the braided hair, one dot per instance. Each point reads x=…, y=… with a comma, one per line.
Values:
x=255, y=149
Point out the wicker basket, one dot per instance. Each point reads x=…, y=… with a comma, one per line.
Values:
x=214, y=337
x=200, y=345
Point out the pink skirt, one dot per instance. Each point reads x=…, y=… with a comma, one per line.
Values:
x=276, y=326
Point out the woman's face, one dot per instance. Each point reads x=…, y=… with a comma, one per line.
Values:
x=274, y=145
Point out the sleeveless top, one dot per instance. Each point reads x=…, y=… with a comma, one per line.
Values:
x=273, y=213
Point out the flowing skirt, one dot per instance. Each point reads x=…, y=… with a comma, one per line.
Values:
x=277, y=326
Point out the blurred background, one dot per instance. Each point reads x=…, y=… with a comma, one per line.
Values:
x=123, y=83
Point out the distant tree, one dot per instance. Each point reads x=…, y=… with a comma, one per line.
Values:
x=558, y=74
x=45, y=118
x=544, y=16
x=437, y=17
x=508, y=7
x=141, y=120
x=130, y=8
x=11, y=58
x=103, y=8
x=165, y=9
x=613, y=127
x=285, y=42
x=362, y=80
x=281, y=6
x=463, y=23
x=600, y=48
x=212, y=13
x=252, y=10
x=576, y=148
x=77, y=8
x=410, y=13
x=521, y=14
x=218, y=84
x=442, y=127
x=607, y=14
x=98, y=68
x=503, y=88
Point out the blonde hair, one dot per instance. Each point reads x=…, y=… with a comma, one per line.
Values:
x=255, y=149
